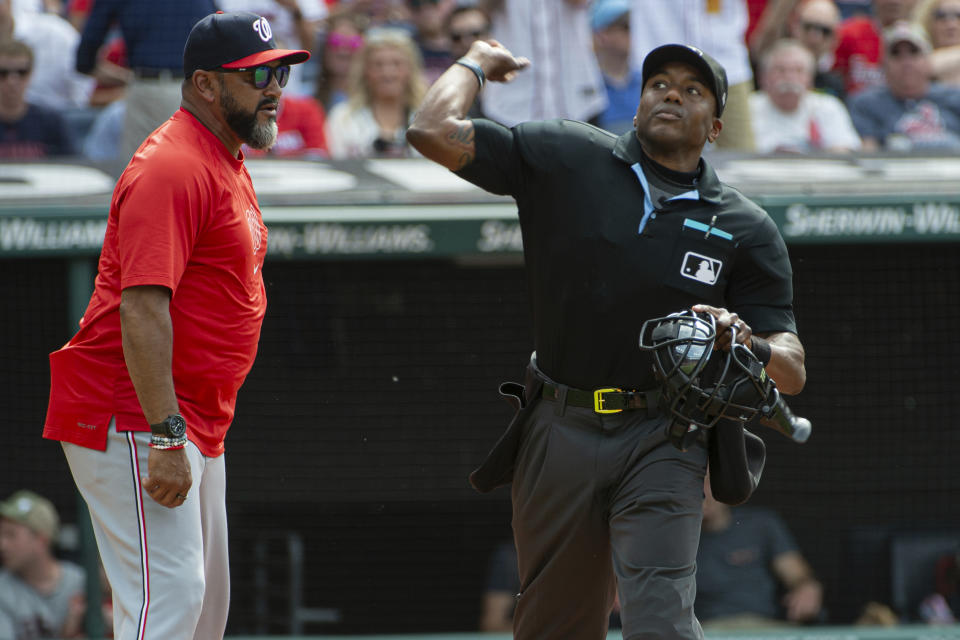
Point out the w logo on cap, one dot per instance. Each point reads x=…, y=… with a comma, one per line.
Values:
x=262, y=27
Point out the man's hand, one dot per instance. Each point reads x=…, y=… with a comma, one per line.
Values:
x=803, y=602
x=168, y=477
x=499, y=65
x=725, y=320
x=786, y=365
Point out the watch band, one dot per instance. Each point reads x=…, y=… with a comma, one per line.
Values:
x=173, y=426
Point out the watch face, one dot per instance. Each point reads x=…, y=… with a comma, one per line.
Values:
x=177, y=426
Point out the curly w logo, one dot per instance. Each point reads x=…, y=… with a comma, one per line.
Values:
x=262, y=27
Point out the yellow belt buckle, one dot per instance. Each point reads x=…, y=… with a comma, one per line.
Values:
x=598, y=400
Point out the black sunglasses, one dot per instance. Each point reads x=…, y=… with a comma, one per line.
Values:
x=263, y=74
x=458, y=37
x=23, y=72
x=824, y=30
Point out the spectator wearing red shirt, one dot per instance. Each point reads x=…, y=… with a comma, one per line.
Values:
x=859, y=54
x=142, y=396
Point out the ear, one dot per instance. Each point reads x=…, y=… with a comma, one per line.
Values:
x=715, y=130
x=206, y=84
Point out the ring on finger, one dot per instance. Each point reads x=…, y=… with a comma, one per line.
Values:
x=182, y=496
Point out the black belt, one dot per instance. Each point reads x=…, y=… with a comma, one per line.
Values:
x=609, y=400
x=152, y=74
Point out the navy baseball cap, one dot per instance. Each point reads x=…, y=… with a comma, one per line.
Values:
x=234, y=41
x=713, y=73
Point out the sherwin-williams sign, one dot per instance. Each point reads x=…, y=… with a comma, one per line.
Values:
x=451, y=230
x=877, y=221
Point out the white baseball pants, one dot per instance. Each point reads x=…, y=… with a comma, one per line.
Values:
x=168, y=568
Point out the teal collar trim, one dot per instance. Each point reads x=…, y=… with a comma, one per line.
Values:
x=648, y=210
x=647, y=202
x=627, y=149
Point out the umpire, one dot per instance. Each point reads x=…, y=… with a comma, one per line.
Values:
x=615, y=231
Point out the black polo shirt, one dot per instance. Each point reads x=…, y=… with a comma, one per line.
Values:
x=600, y=261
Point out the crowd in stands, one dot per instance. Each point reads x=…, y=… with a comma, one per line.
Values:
x=94, y=77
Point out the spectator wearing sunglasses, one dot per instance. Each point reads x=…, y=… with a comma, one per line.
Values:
x=466, y=24
x=386, y=86
x=341, y=42
x=54, y=83
x=941, y=19
x=814, y=25
x=27, y=131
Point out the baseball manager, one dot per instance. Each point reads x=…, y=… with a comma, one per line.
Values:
x=142, y=396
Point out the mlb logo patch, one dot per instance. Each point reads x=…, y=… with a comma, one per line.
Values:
x=700, y=268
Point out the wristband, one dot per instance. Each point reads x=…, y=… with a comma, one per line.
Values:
x=761, y=349
x=167, y=444
x=473, y=66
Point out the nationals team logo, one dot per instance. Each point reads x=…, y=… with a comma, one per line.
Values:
x=700, y=268
x=253, y=223
x=262, y=27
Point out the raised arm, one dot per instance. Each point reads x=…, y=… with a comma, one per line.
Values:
x=440, y=129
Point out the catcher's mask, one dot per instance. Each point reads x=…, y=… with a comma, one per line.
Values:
x=701, y=386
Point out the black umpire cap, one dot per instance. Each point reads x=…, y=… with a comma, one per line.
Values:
x=713, y=73
x=235, y=40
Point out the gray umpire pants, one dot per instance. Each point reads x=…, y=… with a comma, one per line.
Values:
x=603, y=502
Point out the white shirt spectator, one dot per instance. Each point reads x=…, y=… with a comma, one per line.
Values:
x=352, y=132
x=564, y=79
x=820, y=122
x=719, y=32
x=55, y=83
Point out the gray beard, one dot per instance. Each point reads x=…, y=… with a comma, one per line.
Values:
x=262, y=136
x=246, y=126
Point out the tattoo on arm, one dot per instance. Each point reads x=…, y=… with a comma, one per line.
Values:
x=462, y=137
